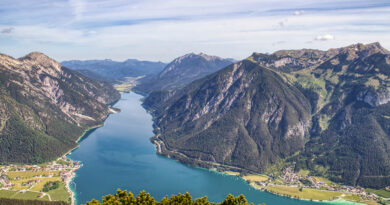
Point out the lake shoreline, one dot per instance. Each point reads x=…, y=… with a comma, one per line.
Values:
x=120, y=149
x=86, y=132
x=161, y=149
x=73, y=171
x=80, y=138
x=336, y=201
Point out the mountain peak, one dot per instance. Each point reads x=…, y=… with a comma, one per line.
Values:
x=35, y=56
x=290, y=60
x=201, y=54
x=183, y=70
x=38, y=58
x=191, y=58
x=370, y=46
x=209, y=57
x=359, y=49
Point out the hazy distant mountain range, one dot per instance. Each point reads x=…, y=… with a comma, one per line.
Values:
x=182, y=71
x=45, y=107
x=114, y=71
x=324, y=111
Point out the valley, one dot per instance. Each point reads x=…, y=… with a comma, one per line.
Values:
x=267, y=120
x=194, y=102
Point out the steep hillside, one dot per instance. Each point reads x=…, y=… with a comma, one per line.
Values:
x=326, y=111
x=45, y=107
x=350, y=137
x=244, y=115
x=182, y=71
x=113, y=71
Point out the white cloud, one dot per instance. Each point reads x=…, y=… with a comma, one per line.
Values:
x=298, y=13
x=78, y=7
x=325, y=37
x=163, y=30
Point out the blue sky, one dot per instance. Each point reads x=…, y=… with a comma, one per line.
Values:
x=165, y=29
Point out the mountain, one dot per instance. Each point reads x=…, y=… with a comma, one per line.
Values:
x=113, y=71
x=324, y=111
x=182, y=71
x=45, y=107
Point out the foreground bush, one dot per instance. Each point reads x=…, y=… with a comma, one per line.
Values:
x=143, y=198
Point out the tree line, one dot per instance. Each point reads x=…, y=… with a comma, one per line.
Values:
x=143, y=198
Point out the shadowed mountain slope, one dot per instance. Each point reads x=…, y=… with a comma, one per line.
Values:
x=326, y=111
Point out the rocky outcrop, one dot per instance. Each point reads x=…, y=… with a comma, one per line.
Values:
x=291, y=60
x=374, y=98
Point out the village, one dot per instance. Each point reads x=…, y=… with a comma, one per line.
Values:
x=300, y=185
x=31, y=179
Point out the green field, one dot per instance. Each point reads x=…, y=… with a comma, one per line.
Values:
x=327, y=181
x=255, y=178
x=17, y=195
x=19, y=177
x=381, y=192
x=232, y=173
x=353, y=197
x=18, y=184
x=304, y=172
x=308, y=194
x=29, y=174
x=127, y=84
x=39, y=185
x=60, y=194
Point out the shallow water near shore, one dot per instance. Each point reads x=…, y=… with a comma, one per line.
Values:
x=120, y=155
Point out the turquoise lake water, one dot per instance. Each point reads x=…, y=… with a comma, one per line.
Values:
x=120, y=155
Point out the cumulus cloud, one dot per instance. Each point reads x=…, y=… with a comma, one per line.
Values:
x=7, y=30
x=325, y=37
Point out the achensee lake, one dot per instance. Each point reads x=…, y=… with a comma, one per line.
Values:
x=120, y=155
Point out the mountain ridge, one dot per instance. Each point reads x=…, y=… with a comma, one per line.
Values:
x=181, y=71
x=335, y=89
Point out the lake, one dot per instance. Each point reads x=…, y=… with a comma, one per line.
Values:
x=120, y=155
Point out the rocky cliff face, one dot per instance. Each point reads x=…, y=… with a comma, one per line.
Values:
x=182, y=71
x=325, y=111
x=45, y=107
